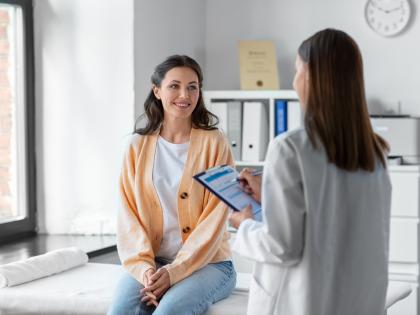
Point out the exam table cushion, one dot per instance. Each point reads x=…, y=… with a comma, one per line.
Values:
x=88, y=290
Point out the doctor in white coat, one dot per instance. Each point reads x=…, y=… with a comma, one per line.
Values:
x=322, y=248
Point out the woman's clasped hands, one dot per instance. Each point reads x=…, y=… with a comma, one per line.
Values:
x=156, y=283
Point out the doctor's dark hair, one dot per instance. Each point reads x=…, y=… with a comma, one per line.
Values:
x=153, y=109
x=336, y=109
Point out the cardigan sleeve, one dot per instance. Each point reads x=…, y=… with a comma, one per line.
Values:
x=205, y=240
x=134, y=246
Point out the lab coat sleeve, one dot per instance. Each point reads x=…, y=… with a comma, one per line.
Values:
x=279, y=239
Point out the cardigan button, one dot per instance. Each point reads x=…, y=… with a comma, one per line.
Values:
x=186, y=229
x=184, y=195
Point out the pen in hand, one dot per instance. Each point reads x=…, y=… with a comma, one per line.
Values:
x=254, y=173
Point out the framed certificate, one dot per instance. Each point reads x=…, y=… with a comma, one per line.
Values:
x=258, y=65
x=222, y=181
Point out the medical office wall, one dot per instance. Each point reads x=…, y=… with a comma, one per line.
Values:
x=93, y=61
x=84, y=111
x=392, y=65
x=163, y=28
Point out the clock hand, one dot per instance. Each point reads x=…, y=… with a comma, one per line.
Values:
x=395, y=9
x=379, y=8
x=384, y=10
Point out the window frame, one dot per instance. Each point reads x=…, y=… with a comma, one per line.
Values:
x=27, y=226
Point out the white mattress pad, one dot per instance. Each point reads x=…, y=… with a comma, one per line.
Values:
x=88, y=290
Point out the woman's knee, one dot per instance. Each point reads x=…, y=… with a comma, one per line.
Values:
x=171, y=307
x=195, y=294
x=127, y=298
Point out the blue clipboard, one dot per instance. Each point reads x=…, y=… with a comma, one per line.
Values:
x=222, y=182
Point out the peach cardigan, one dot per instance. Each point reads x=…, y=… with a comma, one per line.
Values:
x=201, y=215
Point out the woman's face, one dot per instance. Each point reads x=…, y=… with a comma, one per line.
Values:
x=300, y=82
x=179, y=92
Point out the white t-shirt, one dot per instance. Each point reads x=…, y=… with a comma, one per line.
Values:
x=168, y=167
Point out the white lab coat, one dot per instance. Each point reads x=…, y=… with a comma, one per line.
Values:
x=322, y=248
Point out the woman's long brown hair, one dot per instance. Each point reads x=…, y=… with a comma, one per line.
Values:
x=336, y=109
x=153, y=109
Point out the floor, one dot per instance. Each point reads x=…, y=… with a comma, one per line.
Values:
x=100, y=249
x=107, y=258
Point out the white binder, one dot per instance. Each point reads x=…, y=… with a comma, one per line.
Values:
x=294, y=115
x=254, y=131
x=230, y=122
x=221, y=111
x=234, y=128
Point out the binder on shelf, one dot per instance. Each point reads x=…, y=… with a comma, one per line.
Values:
x=234, y=128
x=254, y=131
x=294, y=115
x=230, y=122
x=221, y=111
x=280, y=117
x=288, y=116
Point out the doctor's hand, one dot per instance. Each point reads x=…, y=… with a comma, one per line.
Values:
x=237, y=217
x=159, y=283
x=251, y=184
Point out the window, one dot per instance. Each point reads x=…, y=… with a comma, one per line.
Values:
x=17, y=132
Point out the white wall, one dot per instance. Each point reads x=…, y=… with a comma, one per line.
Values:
x=93, y=57
x=163, y=28
x=391, y=64
x=84, y=110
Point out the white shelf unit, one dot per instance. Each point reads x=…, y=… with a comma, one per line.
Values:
x=267, y=97
x=404, y=235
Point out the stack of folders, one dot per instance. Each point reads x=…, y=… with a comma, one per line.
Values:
x=246, y=126
x=288, y=116
x=230, y=122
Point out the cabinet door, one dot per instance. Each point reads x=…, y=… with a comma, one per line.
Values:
x=405, y=194
x=403, y=241
x=407, y=306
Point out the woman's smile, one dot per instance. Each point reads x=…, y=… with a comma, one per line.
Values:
x=182, y=104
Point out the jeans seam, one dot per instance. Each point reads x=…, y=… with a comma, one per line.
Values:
x=211, y=294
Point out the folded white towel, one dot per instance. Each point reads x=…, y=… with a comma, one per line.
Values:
x=41, y=266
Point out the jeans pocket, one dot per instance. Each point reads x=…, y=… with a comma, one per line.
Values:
x=225, y=266
x=228, y=280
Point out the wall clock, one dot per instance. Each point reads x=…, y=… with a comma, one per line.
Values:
x=388, y=17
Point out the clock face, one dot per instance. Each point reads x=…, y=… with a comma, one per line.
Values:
x=387, y=17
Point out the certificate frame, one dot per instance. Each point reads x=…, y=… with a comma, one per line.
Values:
x=258, y=65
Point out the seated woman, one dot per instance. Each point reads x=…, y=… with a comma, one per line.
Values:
x=172, y=236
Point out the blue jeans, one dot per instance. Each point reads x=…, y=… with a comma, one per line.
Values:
x=192, y=295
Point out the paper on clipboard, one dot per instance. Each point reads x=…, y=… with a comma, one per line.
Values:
x=221, y=181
